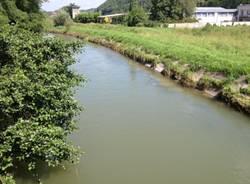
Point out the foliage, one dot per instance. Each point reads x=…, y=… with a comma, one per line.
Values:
x=3, y=19
x=223, y=3
x=120, y=20
x=25, y=13
x=137, y=15
x=162, y=10
x=120, y=6
x=62, y=19
x=7, y=179
x=36, y=99
x=245, y=91
x=90, y=17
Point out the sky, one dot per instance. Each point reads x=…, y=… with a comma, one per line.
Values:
x=85, y=4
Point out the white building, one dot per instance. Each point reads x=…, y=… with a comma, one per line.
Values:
x=75, y=10
x=215, y=15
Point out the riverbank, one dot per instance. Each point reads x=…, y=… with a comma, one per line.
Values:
x=213, y=60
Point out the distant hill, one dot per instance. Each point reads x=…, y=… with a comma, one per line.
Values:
x=119, y=6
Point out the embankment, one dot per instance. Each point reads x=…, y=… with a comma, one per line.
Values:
x=215, y=68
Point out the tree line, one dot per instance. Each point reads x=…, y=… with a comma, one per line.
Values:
x=173, y=10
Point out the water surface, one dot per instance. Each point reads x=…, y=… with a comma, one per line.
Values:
x=140, y=128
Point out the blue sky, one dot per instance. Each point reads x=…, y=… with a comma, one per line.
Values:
x=85, y=4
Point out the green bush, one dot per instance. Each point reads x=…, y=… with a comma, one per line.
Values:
x=137, y=16
x=26, y=15
x=87, y=17
x=120, y=20
x=36, y=99
x=62, y=19
x=3, y=19
x=7, y=179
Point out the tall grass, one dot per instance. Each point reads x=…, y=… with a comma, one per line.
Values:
x=213, y=49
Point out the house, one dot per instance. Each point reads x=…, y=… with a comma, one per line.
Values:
x=75, y=10
x=215, y=15
x=243, y=12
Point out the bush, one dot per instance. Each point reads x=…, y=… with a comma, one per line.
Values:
x=87, y=17
x=62, y=19
x=3, y=19
x=7, y=179
x=120, y=20
x=37, y=106
x=137, y=16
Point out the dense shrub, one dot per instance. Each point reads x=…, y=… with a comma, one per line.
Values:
x=25, y=14
x=3, y=19
x=36, y=99
x=87, y=17
x=62, y=19
x=120, y=20
x=137, y=16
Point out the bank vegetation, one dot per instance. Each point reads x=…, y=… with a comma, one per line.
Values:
x=212, y=59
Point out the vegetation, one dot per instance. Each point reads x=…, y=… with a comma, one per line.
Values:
x=214, y=49
x=120, y=6
x=25, y=13
x=37, y=109
x=162, y=10
x=62, y=19
x=211, y=57
x=90, y=17
x=137, y=15
x=223, y=3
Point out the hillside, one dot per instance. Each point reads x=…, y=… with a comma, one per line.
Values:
x=119, y=6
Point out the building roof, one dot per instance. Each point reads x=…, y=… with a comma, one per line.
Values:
x=214, y=10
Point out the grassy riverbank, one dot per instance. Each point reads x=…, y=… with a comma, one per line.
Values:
x=216, y=60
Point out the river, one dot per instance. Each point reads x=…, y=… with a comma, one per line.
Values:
x=140, y=128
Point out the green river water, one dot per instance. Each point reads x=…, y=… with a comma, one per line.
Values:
x=140, y=128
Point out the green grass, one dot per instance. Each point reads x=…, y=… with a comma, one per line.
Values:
x=225, y=50
x=220, y=55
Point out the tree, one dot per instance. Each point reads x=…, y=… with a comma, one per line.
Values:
x=171, y=9
x=36, y=99
x=188, y=7
x=223, y=3
x=133, y=4
x=25, y=13
x=137, y=15
x=62, y=18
